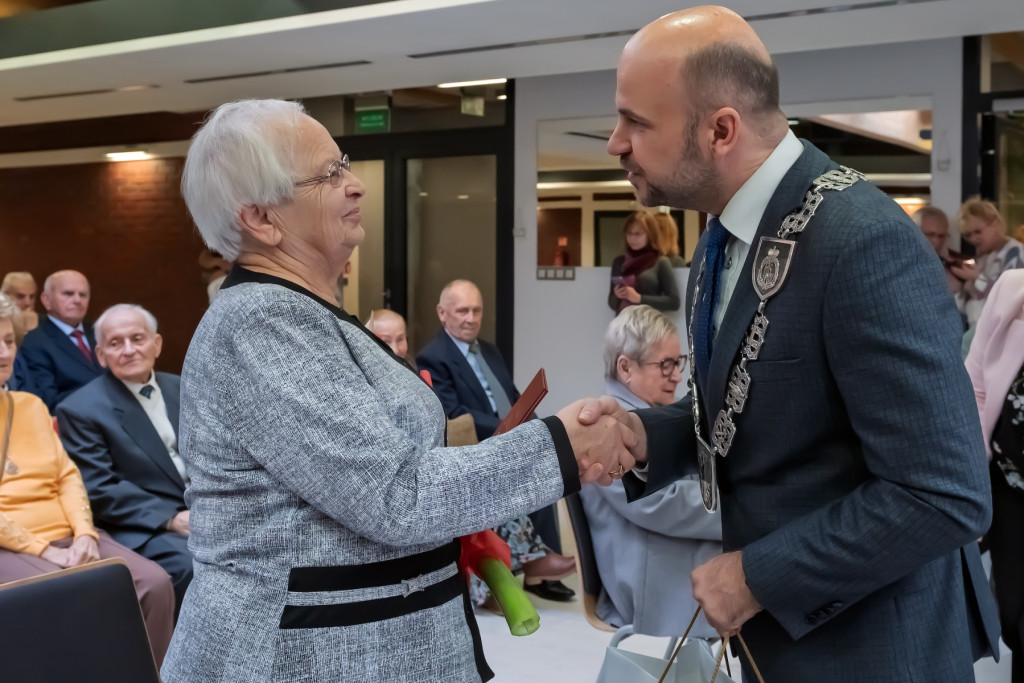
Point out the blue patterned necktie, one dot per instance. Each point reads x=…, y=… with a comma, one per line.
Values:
x=714, y=257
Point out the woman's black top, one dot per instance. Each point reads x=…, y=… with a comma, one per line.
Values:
x=1008, y=436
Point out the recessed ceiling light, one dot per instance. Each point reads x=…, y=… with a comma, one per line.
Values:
x=129, y=88
x=466, y=84
x=502, y=97
x=423, y=194
x=137, y=155
x=463, y=196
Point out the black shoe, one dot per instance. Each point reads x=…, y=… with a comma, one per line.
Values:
x=551, y=590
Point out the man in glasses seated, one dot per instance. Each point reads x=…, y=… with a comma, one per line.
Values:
x=643, y=549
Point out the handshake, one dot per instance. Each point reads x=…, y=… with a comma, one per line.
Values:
x=606, y=439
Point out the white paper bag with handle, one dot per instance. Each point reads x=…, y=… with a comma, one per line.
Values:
x=695, y=663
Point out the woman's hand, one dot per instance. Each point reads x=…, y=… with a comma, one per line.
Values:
x=627, y=293
x=58, y=556
x=83, y=551
x=966, y=271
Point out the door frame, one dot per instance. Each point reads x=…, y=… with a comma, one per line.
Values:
x=395, y=149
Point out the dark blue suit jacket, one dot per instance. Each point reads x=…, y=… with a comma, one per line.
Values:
x=457, y=386
x=857, y=481
x=55, y=363
x=21, y=378
x=133, y=485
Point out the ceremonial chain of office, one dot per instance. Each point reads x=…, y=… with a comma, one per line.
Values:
x=771, y=266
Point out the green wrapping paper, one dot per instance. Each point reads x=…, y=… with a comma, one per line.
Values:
x=522, y=618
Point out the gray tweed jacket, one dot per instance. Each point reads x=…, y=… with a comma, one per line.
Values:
x=309, y=445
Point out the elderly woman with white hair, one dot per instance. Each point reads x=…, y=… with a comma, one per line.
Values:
x=324, y=503
x=645, y=550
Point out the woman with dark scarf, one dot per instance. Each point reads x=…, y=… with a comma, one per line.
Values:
x=642, y=275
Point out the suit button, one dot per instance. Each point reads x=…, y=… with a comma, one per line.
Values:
x=836, y=605
x=830, y=610
x=812, y=619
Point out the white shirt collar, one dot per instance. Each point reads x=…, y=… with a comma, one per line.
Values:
x=742, y=214
x=135, y=387
x=64, y=327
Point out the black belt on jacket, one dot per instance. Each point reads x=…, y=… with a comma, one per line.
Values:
x=401, y=570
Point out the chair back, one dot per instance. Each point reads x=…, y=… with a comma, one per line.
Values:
x=586, y=562
x=82, y=624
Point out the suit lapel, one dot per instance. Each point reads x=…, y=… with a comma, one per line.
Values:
x=139, y=428
x=469, y=377
x=743, y=304
x=63, y=343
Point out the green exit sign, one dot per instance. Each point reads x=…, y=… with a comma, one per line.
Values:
x=373, y=121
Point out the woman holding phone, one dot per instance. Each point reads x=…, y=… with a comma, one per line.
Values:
x=642, y=274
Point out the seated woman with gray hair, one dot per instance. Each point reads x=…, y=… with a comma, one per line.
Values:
x=325, y=507
x=645, y=550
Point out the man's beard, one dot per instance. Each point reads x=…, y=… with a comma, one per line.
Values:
x=695, y=184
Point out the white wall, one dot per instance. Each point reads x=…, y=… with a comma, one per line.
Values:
x=559, y=325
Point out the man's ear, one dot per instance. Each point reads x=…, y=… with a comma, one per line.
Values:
x=622, y=367
x=725, y=126
x=255, y=222
x=440, y=312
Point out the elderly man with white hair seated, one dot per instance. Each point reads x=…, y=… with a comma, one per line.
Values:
x=121, y=430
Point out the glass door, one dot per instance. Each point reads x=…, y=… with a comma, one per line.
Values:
x=451, y=226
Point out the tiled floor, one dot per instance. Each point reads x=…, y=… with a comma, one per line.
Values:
x=567, y=649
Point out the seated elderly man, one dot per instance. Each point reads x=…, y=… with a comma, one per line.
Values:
x=122, y=430
x=45, y=520
x=645, y=550
x=60, y=353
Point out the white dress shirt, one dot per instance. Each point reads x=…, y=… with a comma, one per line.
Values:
x=742, y=216
x=156, y=410
x=67, y=329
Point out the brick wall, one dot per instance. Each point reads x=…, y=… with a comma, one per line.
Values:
x=122, y=224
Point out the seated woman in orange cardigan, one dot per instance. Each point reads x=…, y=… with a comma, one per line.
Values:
x=45, y=519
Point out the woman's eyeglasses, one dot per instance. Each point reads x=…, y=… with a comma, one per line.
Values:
x=668, y=365
x=334, y=173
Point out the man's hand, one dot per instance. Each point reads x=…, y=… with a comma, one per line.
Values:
x=179, y=523
x=720, y=587
x=58, y=556
x=602, y=446
x=83, y=551
x=627, y=293
x=593, y=408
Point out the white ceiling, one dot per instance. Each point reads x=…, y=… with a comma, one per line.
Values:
x=386, y=33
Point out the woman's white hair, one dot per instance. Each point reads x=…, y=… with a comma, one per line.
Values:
x=8, y=310
x=631, y=333
x=243, y=154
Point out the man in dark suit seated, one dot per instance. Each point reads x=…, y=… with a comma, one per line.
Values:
x=60, y=353
x=470, y=377
x=121, y=430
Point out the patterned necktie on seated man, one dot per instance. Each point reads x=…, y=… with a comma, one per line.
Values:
x=497, y=392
